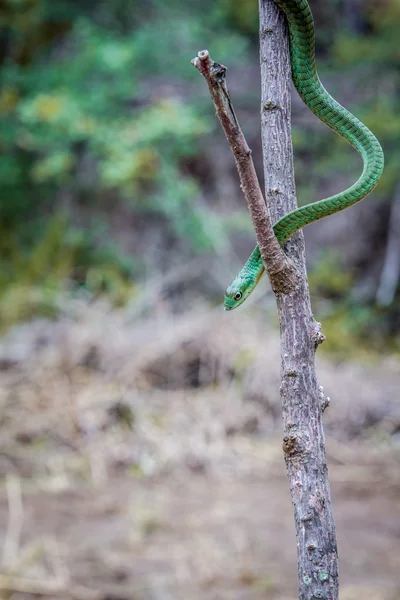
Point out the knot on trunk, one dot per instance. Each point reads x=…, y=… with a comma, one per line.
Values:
x=293, y=445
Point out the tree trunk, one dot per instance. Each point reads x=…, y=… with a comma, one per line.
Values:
x=303, y=401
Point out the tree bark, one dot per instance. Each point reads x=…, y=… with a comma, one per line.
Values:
x=303, y=401
x=280, y=270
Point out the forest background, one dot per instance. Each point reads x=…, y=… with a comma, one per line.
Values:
x=113, y=167
x=121, y=223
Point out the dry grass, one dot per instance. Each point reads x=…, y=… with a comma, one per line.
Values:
x=142, y=459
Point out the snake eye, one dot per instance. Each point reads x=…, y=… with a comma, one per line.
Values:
x=238, y=295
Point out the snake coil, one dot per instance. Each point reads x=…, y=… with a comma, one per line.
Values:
x=335, y=116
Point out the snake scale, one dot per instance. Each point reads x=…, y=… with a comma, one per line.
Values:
x=321, y=103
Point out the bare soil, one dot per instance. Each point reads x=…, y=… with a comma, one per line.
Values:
x=141, y=459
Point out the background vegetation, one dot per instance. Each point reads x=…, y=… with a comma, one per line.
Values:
x=140, y=425
x=113, y=168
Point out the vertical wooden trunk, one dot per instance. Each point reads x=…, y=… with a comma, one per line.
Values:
x=303, y=402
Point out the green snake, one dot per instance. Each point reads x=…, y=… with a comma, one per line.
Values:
x=312, y=92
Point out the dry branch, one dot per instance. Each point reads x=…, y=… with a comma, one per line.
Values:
x=281, y=272
x=65, y=589
x=391, y=266
x=14, y=523
x=47, y=587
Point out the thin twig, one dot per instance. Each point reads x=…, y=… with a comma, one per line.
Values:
x=47, y=587
x=281, y=271
x=391, y=267
x=59, y=589
x=15, y=519
x=59, y=567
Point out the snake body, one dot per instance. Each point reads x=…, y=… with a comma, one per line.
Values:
x=328, y=110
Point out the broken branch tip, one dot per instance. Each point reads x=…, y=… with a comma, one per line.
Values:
x=203, y=54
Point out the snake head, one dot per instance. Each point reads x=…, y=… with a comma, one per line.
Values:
x=236, y=293
x=245, y=282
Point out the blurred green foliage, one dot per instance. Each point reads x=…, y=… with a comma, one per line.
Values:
x=369, y=55
x=352, y=327
x=84, y=114
x=100, y=113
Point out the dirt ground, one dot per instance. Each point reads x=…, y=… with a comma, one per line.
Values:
x=141, y=459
